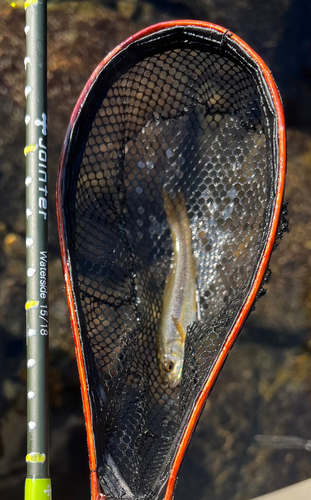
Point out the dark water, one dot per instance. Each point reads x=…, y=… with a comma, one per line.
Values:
x=264, y=387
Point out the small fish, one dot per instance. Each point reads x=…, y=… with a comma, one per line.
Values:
x=179, y=299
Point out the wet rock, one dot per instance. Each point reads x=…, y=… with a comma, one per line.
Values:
x=14, y=246
x=290, y=284
x=127, y=8
x=3, y=229
x=9, y=389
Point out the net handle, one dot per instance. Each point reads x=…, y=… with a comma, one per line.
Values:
x=38, y=484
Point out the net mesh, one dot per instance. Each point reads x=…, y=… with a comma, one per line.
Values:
x=192, y=118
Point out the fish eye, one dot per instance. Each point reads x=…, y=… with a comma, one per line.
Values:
x=169, y=366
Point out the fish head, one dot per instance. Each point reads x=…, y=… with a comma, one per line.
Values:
x=171, y=365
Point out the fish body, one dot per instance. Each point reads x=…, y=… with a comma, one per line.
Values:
x=179, y=299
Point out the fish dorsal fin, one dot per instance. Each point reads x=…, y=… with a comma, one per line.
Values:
x=180, y=329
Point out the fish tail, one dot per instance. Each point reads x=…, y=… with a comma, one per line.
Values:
x=182, y=218
x=171, y=212
x=181, y=210
x=175, y=208
x=179, y=223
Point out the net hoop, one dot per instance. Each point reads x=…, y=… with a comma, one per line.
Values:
x=199, y=405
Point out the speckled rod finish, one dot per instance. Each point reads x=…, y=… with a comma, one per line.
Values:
x=36, y=243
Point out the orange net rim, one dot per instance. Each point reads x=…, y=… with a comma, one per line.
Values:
x=199, y=405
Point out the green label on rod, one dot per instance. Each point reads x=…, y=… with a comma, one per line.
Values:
x=38, y=489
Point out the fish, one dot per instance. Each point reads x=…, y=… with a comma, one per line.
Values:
x=179, y=306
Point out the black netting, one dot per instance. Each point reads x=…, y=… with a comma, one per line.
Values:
x=175, y=114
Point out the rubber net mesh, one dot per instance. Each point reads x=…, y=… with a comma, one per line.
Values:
x=181, y=119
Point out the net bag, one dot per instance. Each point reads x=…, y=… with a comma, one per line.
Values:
x=181, y=122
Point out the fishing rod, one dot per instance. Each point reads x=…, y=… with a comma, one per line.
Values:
x=38, y=484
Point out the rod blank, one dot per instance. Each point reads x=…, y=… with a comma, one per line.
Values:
x=37, y=315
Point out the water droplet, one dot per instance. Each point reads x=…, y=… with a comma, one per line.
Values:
x=27, y=62
x=28, y=90
x=29, y=241
x=31, y=332
x=31, y=272
x=232, y=193
x=149, y=165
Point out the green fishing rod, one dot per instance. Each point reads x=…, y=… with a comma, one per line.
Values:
x=38, y=484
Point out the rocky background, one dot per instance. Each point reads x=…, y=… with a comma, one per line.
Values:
x=265, y=386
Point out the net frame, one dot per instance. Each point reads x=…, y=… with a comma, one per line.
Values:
x=280, y=145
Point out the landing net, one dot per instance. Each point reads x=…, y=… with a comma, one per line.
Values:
x=182, y=109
